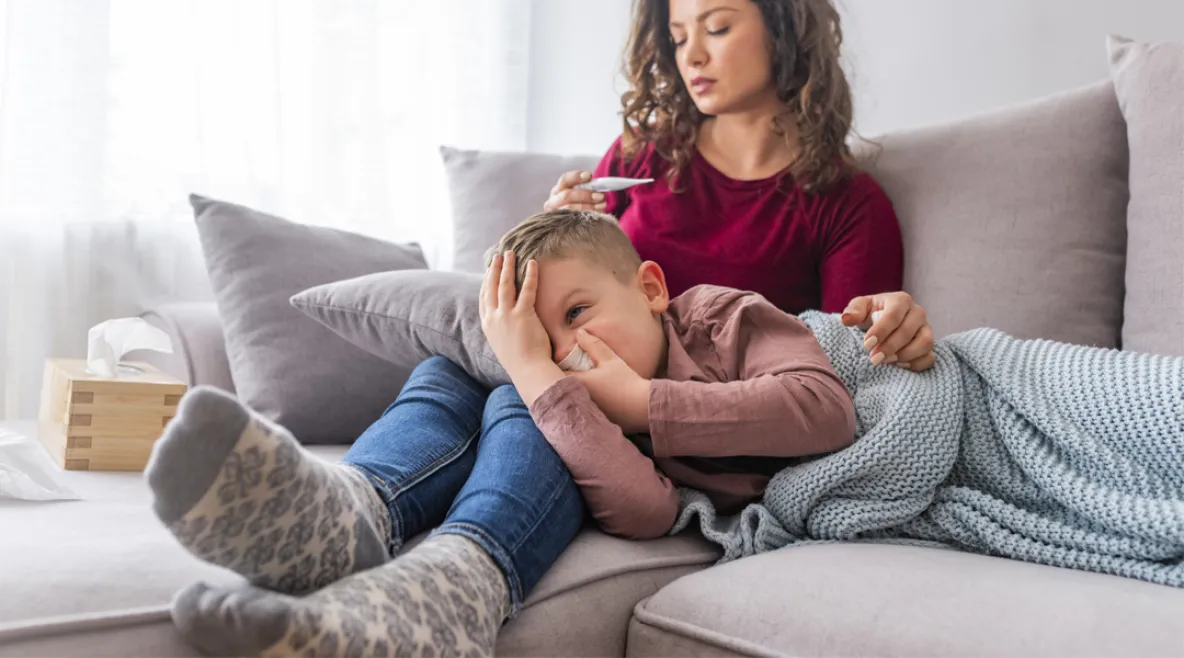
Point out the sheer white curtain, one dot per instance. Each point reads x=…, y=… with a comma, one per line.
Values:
x=323, y=111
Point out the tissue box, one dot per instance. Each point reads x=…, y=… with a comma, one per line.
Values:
x=92, y=423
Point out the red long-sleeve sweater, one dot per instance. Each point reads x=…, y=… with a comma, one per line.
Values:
x=800, y=251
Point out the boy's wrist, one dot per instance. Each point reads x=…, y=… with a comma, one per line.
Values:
x=639, y=408
x=534, y=377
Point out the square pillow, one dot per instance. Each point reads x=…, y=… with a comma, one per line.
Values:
x=1149, y=80
x=284, y=365
x=407, y=317
x=491, y=192
x=1015, y=219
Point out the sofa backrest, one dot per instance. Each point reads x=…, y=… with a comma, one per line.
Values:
x=1016, y=219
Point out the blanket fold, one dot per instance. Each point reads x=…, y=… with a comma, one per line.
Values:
x=1051, y=453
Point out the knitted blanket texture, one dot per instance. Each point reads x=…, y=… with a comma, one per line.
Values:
x=1040, y=451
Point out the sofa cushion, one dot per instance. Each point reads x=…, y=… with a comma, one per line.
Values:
x=492, y=191
x=284, y=365
x=95, y=577
x=1016, y=219
x=407, y=317
x=887, y=600
x=1149, y=79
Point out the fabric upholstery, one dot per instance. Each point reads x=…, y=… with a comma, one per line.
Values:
x=284, y=365
x=199, y=347
x=883, y=600
x=492, y=191
x=406, y=317
x=1016, y=219
x=1149, y=80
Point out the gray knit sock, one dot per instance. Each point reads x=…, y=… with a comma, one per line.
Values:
x=238, y=491
x=445, y=597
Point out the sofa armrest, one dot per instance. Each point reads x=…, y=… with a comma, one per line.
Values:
x=199, y=347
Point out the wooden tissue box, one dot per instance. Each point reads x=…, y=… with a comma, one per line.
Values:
x=92, y=423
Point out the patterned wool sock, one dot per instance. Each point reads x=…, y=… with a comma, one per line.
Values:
x=238, y=491
x=445, y=597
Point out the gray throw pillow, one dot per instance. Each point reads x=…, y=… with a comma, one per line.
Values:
x=284, y=365
x=491, y=192
x=1016, y=219
x=407, y=317
x=1149, y=80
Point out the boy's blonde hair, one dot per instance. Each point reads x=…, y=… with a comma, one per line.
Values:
x=594, y=236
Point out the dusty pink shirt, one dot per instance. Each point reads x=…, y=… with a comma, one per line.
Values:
x=747, y=390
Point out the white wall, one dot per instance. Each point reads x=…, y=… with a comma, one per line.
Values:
x=920, y=61
x=912, y=61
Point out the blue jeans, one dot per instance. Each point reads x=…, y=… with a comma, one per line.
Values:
x=453, y=456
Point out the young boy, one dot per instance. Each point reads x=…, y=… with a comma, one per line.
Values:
x=728, y=388
x=716, y=390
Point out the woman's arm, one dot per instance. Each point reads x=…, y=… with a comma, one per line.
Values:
x=861, y=245
x=785, y=399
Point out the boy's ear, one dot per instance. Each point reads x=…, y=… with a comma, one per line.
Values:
x=652, y=280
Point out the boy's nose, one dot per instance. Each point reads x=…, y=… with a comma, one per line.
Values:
x=561, y=350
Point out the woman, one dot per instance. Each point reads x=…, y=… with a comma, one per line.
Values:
x=740, y=108
x=741, y=111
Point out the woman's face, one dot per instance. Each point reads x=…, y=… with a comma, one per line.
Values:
x=721, y=47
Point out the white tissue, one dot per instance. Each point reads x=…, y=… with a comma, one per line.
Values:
x=108, y=341
x=577, y=360
x=26, y=471
x=612, y=184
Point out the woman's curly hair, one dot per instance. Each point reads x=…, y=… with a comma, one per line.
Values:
x=805, y=38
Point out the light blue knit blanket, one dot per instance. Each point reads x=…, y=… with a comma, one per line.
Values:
x=1034, y=450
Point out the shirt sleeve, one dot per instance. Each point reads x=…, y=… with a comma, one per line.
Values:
x=862, y=248
x=784, y=400
x=625, y=492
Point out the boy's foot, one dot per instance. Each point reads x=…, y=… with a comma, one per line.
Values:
x=446, y=596
x=238, y=491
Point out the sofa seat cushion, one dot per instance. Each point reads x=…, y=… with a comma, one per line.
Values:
x=887, y=600
x=95, y=578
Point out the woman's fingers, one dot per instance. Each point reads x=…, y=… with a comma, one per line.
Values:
x=903, y=334
x=917, y=365
x=921, y=346
x=565, y=196
x=507, y=293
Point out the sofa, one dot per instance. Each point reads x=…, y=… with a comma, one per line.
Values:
x=1017, y=219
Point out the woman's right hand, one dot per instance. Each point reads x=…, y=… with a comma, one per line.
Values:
x=565, y=195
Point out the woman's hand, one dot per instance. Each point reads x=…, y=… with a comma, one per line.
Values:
x=899, y=333
x=513, y=328
x=622, y=394
x=565, y=194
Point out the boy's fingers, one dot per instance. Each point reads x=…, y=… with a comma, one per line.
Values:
x=594, y=347
x=530, y=286
x=506, y=292
x=489, y=283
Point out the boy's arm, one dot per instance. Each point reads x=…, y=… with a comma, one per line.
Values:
x=626, y=493
x=787, y=400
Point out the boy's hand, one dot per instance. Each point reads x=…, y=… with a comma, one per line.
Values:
x=513, y=329
x=622, y=394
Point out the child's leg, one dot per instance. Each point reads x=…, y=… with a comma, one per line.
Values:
x=240, y=492
x=517, y=512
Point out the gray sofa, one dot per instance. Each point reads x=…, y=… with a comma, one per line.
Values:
x=1016, y=219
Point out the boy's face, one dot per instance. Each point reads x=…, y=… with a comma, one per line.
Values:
x=575, y=294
